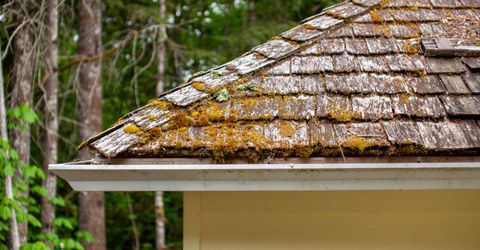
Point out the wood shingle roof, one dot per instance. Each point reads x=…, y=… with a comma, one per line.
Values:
x=352, y=80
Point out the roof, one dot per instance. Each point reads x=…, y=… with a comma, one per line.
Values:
x=352, y=80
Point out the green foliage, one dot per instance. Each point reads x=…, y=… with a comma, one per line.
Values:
x=9, y=162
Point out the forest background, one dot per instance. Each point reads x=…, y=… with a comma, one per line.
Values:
x=142, y=48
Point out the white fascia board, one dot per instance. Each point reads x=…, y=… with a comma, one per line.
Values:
x=271, y=177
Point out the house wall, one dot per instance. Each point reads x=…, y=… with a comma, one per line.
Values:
x=332, y=220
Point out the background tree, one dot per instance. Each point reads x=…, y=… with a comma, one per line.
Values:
x=50, y=140
x=89, y=111
x=22, y=93
x=13, y=236
x=161, y=51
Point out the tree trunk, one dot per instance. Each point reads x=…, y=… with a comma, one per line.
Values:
x=161, y=53
x=160, y=221
x=89, y=113
x=22, y=94
x=252, y=17
x=13, y=237
x=51, y=117
x=161, y=49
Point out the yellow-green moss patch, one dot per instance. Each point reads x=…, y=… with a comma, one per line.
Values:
x=130, y=129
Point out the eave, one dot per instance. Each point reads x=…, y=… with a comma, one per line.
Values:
x=403, y=173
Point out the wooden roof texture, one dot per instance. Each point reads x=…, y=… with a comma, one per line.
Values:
x=352, y=80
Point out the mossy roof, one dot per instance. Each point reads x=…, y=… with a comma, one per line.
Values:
x=353, y=80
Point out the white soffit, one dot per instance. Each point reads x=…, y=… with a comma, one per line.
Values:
x=270, y=177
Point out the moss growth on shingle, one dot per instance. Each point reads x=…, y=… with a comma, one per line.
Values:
x=198, y=86
x=376, y=18
x=161, y=104
x=357, y=144
x=286, y=129
x=179, y=120
x=304, y=152
x=410, y=48
x=152, y=118
x=130, y=129
x=309, y=27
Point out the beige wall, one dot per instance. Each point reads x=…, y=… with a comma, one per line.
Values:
x=332, y=220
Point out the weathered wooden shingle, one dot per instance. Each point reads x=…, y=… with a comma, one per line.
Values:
x=289, y=84
x=370, y=30
x=325, y=46
x=345, y=63
x=333, y=106
x=418, y=15
x=249, y=63
x=281, y=68
x=360, y=136
x=473, y=82
x=345, y=10
x=472, y=62
x=415, y=106
x=185, y=96
x=405, y=63
x=356, y=46
x=388, y=84
x=462, y=105
x=215, y=78
x=314, y=84
x=375, y=64
x=301, y=34
x=287, y=134
x=323, y=22
x=381, y=46
x=322, y=133
x=116, y=142
x=372, y=108
x=401, y=132
x=403, y=30
x=311, y=64
x=447, y=3
x=427, y=85
x=408, y=3
x=351, y=83
x=444, y=65
x=449, y=135
x=343, y=31
x=431, y=29
x=454, y=84
x=276, y=48
x=298, y=107
x=279, y=85
x=255, y=108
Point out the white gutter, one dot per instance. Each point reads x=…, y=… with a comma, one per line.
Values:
x=271, y=177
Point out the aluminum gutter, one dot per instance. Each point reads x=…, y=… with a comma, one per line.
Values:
x=271, y=177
